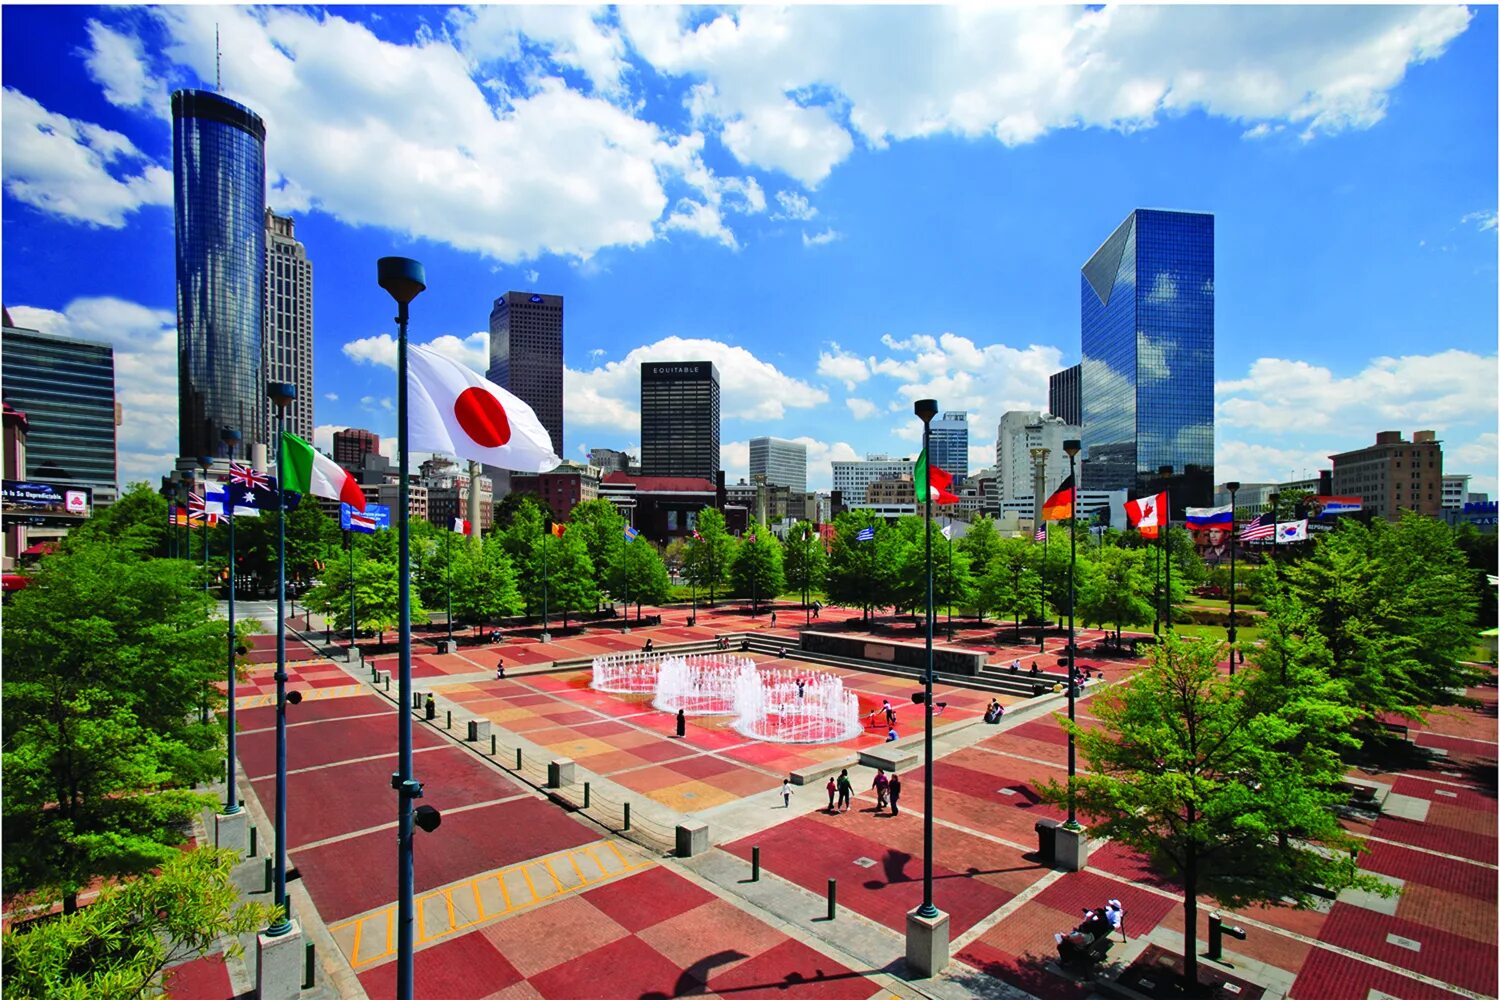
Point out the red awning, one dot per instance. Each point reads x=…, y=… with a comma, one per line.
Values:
x=15, y=581
x=40, y=549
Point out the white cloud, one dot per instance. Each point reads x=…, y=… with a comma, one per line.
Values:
x=377, y=350
x=702, y=219
x=323, y=437
x=473, y=350
x=117, y=62
x=75, y=169
x=843, y=365
x=1484, y=220
x=533, y=276
x=734, y=459
x=145, y=344
x=576, y=38
x=1259, y=462
x=1479, y=458
x=862, y=409
x=793, y=206
x=332, y=397
x=752, y=389
x=819, y=239
x=376, y=404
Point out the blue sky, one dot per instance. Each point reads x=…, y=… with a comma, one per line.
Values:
x=846, y=208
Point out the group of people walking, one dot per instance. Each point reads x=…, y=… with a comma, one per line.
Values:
x=841, y=792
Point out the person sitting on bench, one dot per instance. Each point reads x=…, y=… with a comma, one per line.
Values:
x=1034, y=670
x=1076, y=943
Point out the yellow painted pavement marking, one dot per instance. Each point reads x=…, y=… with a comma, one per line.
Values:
x=351, y=937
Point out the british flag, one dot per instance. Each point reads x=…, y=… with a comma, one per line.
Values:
x=1258, y=530
x=244, y=475
x=200, y=512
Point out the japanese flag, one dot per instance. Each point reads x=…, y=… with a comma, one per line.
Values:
x=455, y=411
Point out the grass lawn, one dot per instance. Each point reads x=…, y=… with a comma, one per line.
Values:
x=1247, y=633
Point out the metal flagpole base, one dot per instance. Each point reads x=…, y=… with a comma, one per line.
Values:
x=232, y=830
x=278, y=965
x=545, y=637
x=1072, y=848
x=926, y=943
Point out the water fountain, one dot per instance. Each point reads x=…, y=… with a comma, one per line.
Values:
x=771, y=708
x=701, y=685
x=626, y=673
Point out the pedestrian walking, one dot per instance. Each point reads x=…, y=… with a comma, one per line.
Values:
x=846, y=790
x=817, y=607
x=893, y=792
x=681, y=723
x=833, y=789
x=786, y=793
x=773, y=619
x=881, y=785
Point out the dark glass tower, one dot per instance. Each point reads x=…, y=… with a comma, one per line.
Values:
x=680, y=419
x=526, y=355
x=1147, y=380
x=219, y=189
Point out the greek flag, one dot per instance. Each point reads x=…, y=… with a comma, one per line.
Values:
x=865, y=535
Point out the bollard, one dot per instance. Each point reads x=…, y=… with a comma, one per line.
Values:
x=387, y=680
x=309, y=966
x=268, y=876
x=627, y=818
x=416, y=699
x=518, y=758
x=833, y=897
x=755, y=864
x=450, y=718
x=492, y=744
x=585, y=795
x=254, y=835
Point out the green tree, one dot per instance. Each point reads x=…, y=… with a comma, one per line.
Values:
x=137, y=522
x=120, y=946
x=1118, y=590
x=858, y=570
x=638, y=570
x=520, y=541
x=484, y=584
x=1188, y=770
x=514, y=504
x=568, y=577
x=757, y=572
x=1012, y=585
x=805, y=559
x=952, y=583
x=109, y=660
x=711, y=553
x=602, y=528
x=980, y=544
x=377, y=594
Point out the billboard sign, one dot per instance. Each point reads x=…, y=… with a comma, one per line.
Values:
x=45, y=504
x=375, y=517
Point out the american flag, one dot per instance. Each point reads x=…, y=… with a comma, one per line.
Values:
x=697, y=537
x=1258, y=530
x=1041, y=535
x=244, y=475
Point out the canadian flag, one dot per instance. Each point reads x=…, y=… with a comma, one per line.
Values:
x=1147, y=514
x=458, y=412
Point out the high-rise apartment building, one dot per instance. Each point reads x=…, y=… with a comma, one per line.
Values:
x=1015, y=470
x=852, y=479
x=526, y=355
x=1393, y=475
x=66, y=388
x=783, y=463
x=680, y=419
x=950, y=444
x=1063, y=399
x=352, y=444
x=289, y=322
x=1147, y=379
x=219, y=199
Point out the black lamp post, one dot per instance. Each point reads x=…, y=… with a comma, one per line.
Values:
x=231, y=791
x=1233, y=488
x=926, y=409
x=282, y=394
x=1072, y=447
x=404, y=279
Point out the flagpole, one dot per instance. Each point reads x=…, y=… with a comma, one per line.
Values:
x=926, y=409
x=281, y=393
x=205, y=462
x=949, y=536
x=353, y=633
x=448, y=583
x=1233, y=488
x=545, y=582
x=231, y=789
x=1164, y=517
x=1072, y=448
x=404, y=279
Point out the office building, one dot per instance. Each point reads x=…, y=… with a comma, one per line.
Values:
x=66, y=388
x=680, y=419
x=1393, y=474
x=1063, y=399
x=609, y=460
x=219, y=199
x=1456, y=490
x=950, y=444
x=1018, y=433
x=665, y=507
x=1147, y=376
x=289, y=322
x=852, y=479
x=561, y=489
x=895, y=490
x=447, y=485
x=526, y=355
x=352, y=444
x=783, y=463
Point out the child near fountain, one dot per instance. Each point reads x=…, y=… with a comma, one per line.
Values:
x=833, y=789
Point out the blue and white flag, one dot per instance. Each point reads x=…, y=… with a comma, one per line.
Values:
x=1199, y=518
x=237, y=500
x=1291, y=531
x=631, y=534
x=865, y=535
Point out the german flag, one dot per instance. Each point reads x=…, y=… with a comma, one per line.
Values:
x=1059, y=506
x=558, y=529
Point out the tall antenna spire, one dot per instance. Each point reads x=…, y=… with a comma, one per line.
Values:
x=218, y=78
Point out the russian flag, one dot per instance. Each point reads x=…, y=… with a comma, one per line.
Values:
x=1199, y=518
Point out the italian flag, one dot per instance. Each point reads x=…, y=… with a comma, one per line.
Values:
x=939, y=481
x=304, y=470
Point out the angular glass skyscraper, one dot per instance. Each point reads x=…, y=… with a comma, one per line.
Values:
x=1147, y=380
x=219, y=189
x=950, y=444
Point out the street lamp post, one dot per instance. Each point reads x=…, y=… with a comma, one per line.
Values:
x=949, y=536
x=282, y=394
x=448, y=585
x=1233, y=488
x=231, y=790
x=404, y=279
x=1072, y=447
x=926, y=409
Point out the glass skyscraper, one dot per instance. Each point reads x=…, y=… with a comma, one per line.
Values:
x=219, y=195
x=783, y=463
x=950, y=444
x=526, y=355
x=1147, y=380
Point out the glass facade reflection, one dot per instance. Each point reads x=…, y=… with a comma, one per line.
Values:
x=219, y=188
x=1147, y=377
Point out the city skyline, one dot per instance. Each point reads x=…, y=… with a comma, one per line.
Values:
x=698, y=216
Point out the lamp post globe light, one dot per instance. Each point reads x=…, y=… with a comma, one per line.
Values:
x=927, y=927
x=404, y=279
x=1233, y=488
